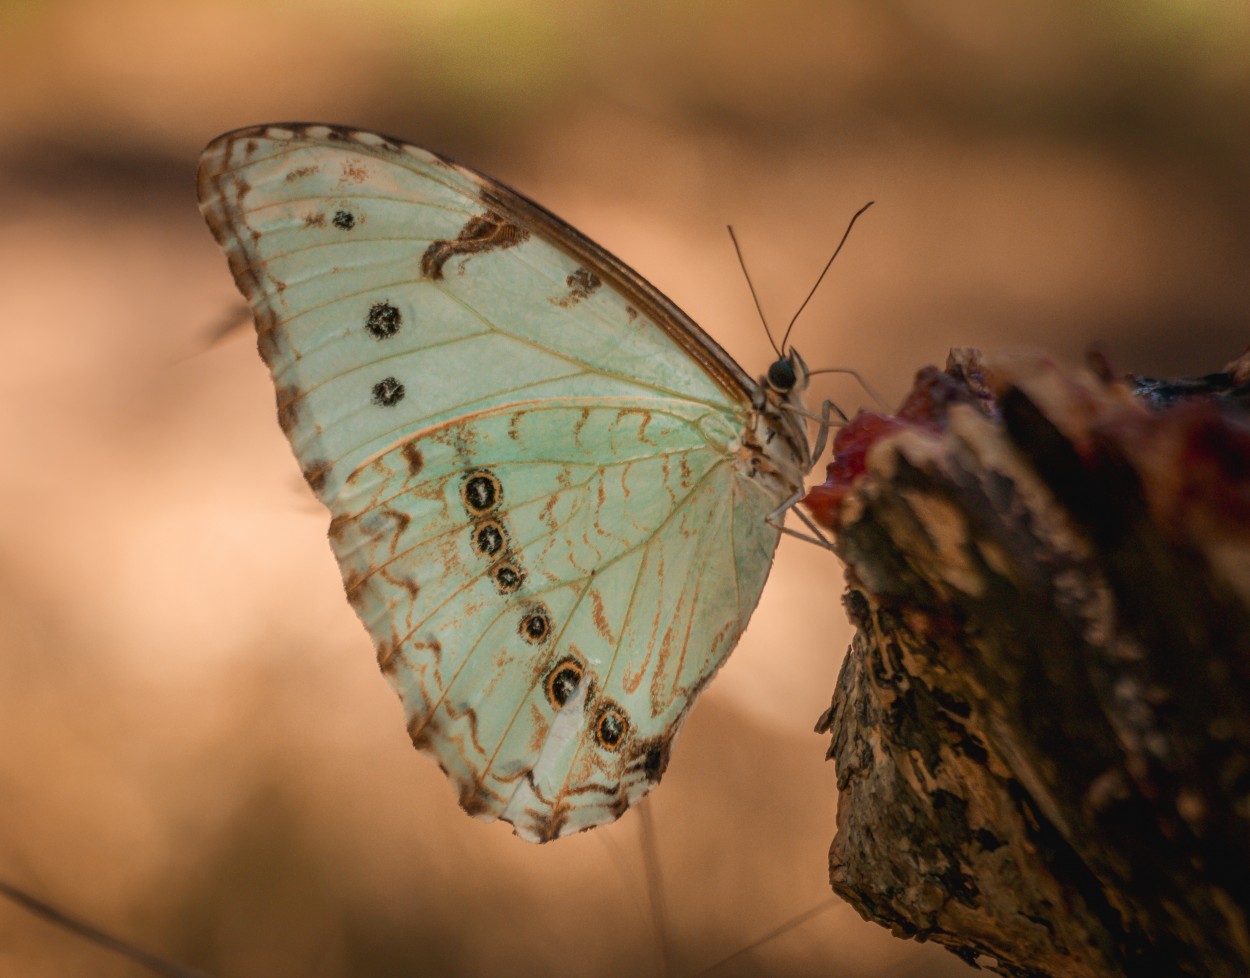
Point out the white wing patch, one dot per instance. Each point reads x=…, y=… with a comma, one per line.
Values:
x=534, y=463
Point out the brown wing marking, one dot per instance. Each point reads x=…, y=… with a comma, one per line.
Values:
x=481, y=233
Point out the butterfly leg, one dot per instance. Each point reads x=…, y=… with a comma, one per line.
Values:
x=777, y=518
x=826, y=422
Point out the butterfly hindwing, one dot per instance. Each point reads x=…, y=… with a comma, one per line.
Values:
x=520, y=574
x=533, y=462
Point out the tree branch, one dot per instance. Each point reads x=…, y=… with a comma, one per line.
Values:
x=1042, y=728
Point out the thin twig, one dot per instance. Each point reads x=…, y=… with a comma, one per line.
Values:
x=655, y=889
x=776, y=932
x=58, y=918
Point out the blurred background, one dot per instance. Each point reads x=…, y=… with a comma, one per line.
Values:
x=198, y=751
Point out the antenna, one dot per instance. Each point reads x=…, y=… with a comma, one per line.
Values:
x=845, y=234
x=745, y=274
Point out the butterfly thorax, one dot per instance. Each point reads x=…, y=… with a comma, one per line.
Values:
x=774, y=449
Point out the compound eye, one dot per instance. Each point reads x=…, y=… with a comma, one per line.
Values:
x=781, y=376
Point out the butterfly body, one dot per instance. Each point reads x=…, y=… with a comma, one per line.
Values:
x=554, y=499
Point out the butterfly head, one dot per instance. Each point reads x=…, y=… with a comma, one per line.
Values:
x=787, y=374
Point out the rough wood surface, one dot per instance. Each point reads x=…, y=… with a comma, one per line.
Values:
x=1042, y=728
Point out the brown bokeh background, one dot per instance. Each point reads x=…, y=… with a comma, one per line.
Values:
x=198, y=752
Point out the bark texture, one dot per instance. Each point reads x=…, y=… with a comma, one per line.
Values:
x=1042, y=728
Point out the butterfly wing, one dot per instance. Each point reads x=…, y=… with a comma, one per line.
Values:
x=534, y=462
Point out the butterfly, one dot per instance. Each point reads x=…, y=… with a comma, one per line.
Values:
x=554, y=499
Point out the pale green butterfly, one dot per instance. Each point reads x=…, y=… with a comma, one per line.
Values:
x=554, y=498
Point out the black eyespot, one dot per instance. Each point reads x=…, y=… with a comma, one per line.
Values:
x=611, y=726
x=481, y=492
x=489, y=538
x=781, y=376
x=344, y=220
x=535, y=626
x=388, y=392
x=508, y=577
x=562, y=682
x=384, y=320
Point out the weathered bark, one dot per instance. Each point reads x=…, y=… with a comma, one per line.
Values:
x=1042, y=728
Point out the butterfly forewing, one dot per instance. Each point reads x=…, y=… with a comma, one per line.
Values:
x=533, y=461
